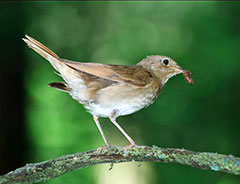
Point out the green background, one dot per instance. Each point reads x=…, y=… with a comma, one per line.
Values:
x=203, y=37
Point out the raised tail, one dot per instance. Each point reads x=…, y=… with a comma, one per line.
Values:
x=44, y=52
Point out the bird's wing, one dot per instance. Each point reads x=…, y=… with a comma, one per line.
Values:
x=89, y=72
x=134, y=75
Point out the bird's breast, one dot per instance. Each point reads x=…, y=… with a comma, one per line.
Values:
x=123, y=99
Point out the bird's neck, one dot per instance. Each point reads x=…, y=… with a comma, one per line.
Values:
x=162, y=78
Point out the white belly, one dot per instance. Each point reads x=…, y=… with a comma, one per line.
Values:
x=120, y=108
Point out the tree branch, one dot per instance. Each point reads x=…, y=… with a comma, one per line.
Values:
x=55, y=167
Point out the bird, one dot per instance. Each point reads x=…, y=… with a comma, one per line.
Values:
x=108, y=90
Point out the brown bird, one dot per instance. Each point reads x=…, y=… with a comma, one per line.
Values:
x=111, y=90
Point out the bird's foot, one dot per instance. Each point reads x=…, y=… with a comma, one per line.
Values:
x=103, y=148
x=129, y=146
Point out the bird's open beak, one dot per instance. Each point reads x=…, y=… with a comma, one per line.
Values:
x=178, y=69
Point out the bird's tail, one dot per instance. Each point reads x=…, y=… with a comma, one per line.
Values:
x=44, y=52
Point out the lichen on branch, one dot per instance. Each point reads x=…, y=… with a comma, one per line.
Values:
x=43, y=171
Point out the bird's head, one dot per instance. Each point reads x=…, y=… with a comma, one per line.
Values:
x=162, y=66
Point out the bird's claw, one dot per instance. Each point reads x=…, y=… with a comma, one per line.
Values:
x=103, y=148
x=129, y=146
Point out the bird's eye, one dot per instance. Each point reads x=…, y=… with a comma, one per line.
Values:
x=165, y=61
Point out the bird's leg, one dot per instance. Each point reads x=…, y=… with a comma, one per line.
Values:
x=101, y=131
x=113, y=120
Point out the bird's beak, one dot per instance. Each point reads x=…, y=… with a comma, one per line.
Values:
x=177, y=69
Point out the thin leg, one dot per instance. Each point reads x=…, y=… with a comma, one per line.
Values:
x=100, y=130
x=113, y=120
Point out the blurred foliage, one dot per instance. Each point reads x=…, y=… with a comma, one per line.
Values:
x=203, y=37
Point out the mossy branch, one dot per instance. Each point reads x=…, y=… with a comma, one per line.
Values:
x=49, y=169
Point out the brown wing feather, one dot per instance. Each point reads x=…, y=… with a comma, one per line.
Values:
x=32, y=43
x=135, y=75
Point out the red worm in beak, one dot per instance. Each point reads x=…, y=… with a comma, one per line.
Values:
x=187, y=77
